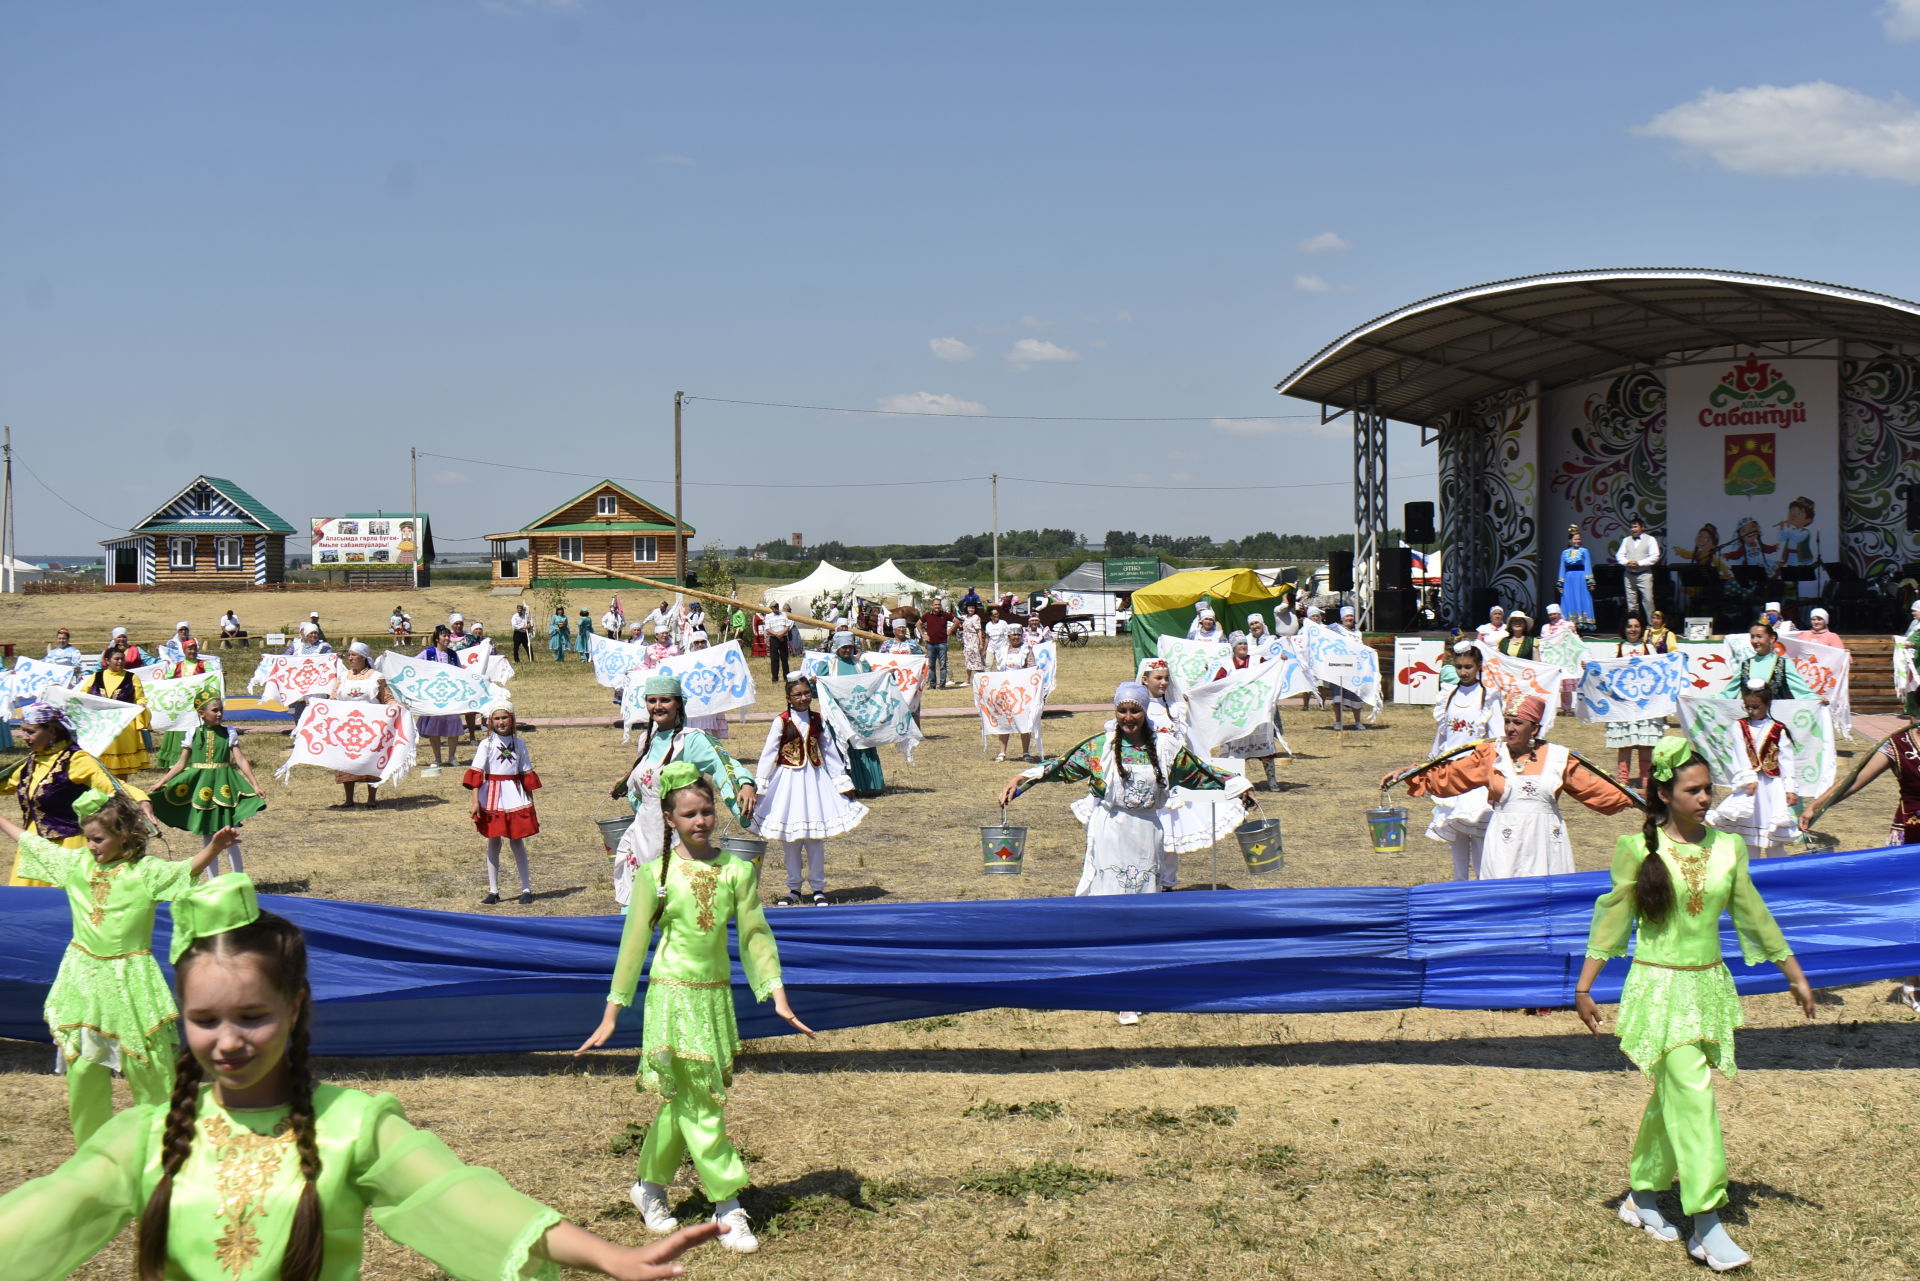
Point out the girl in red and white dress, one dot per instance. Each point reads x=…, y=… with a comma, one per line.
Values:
x=1760, y=808
x=503, y=783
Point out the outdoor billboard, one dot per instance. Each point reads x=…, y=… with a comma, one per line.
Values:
x=356, y=542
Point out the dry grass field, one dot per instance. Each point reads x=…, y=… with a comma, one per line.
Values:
x=1010, y=1143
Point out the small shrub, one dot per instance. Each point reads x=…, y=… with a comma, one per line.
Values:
x=884, y=1194
x=1271, y=1157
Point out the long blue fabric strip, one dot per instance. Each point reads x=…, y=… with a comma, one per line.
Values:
x=392, y=981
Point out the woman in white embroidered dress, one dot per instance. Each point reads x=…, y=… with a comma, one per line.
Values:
x=359, y=684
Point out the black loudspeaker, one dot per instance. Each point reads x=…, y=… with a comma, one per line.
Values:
x=1396, y=567
x=1393, y=609
x=1484, y=599
x=1910, y=495
x=1340, y=566
x=1419, y=524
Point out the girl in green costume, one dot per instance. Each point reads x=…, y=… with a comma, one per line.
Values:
x=689, y=1034
x=253, y=1172
x=109, y=1006
x=212, y=785
x=1679, y=1008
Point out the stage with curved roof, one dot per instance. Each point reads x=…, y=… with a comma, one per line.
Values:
x=1435, y=356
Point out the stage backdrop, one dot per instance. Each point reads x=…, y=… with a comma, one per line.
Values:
x=1753, y=444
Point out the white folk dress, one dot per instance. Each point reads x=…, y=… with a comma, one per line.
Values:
x=1525, y=834
x=997, y=630
x=1465, y=714
x=1762, y=819
x=803, y=783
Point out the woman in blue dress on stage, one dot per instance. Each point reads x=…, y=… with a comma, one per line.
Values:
x=1576, y=582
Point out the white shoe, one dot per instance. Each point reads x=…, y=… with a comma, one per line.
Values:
x=1659, y=1230
x=739, y=1236
x=651, y=1200
x=1001, y=757
x=1126, y=1018
x=1717, y=1250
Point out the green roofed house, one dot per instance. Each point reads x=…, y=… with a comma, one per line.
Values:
x=211, y=534
x=606, y=527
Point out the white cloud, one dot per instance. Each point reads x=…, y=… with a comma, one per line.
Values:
x=1311, y=285
x=1798, y=130
x=1029, y=352
x=1901, y=20
x=927, y=402
x=451, y=478
x=1325, y=243
x=1279, y=427
x=950, y=349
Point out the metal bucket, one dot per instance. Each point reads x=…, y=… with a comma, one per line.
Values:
x=1002, y=849
x=1260, y=845
x=1387, y=825
x=611, y=830
x=744, y=845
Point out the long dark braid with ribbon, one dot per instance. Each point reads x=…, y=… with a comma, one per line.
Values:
x=306, y=1241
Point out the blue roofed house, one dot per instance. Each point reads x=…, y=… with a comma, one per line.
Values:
x=211, y=534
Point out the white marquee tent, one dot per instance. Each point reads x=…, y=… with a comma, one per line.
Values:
x=799, y=595
x=888, y=579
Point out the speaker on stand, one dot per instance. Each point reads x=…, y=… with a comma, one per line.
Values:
x=1418, y=520
x=1340, y=570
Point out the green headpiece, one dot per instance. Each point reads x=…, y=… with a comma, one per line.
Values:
x=662, y=686
x=89, y=803
x=213, y=907
x=1669, y=755
x=676, y=776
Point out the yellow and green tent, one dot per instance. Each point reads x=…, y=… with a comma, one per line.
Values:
x=1169, y=606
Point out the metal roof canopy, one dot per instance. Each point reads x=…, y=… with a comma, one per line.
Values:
x=1438, y=355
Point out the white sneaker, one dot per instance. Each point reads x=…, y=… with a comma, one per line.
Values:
x=738, y=1237
x=651, y=1201
x=1126, y=1018
x=1001, y=757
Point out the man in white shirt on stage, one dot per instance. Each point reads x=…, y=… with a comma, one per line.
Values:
x=1638, y=556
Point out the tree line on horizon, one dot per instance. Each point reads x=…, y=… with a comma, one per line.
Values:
x=1065, y=544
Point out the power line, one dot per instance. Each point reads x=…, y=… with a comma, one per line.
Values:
x=889, y=484
x=709, y=484
x=49, y=488
x=1024, y=418
x=1306, y=484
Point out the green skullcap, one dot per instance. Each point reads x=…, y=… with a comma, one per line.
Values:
x=663, y=685
x=676, y=776
x=89, y=803
x=1669, y=755
x=213, y=907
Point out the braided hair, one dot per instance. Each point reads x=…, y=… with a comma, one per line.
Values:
x=279, y=949
x=1151, y=747
x=1653, y=894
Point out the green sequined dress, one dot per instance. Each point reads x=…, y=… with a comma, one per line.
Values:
x=211, y=793
x=108, y=998
x=689, y=1010
x=1678, y=991
x=235, y=1197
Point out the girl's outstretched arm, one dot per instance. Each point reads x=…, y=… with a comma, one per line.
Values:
x=11, y=828
x=241, y=763
x=575, y=1247
x=220, y=840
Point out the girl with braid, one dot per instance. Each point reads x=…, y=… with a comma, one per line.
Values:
x=109, y=1006
x=253, y=1172
x=691, y=888
x=1678, y=1007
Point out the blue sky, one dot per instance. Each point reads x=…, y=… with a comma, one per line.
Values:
x=283, y=242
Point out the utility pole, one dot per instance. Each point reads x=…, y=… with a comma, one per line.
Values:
x=995, y=478
x=7, y=549
x=679, y=531
x=413, y=496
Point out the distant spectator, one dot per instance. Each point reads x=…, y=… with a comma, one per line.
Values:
x=935, y=627
x=776, y=625
x=135, y=656
x=63, y=651
x=318, y=630
x=522, y=623
x=971, y=598
x=231, y=631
